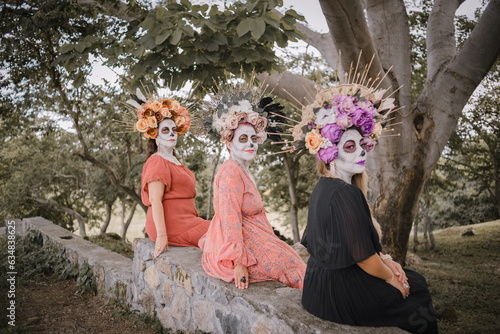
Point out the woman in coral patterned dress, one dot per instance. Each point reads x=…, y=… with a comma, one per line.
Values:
x=240, y=245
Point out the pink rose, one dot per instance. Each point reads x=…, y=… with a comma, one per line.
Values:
x=368, y=144
x=227, y=135
x=344, y=121
x=252, y=117
x=260, y=124
x=344, y=103
x=231, y=122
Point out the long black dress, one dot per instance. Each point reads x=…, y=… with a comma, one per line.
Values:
x=339, y=234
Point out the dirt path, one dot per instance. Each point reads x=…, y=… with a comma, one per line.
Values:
x=56, y=307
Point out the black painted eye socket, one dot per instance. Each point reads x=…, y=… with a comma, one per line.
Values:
x=165, y=130
x=243, y=139
x=363, y=144
x=350, y=146
x=254, y=139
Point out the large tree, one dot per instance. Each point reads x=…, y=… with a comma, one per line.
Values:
x=179, y=40
x=402, y=164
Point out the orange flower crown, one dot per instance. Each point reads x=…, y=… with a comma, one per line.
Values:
x=150, y=112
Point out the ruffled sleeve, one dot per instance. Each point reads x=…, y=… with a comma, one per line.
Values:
x=155, y=169
x=340, y=231
x=231, y=188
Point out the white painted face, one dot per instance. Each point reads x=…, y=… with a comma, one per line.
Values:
x=167, y=136
x=244, y=145
x=352, y=155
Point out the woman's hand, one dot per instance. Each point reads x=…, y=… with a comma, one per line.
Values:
x=404, y=288
x=160, y=245
x=396, y=270
x=241, y=276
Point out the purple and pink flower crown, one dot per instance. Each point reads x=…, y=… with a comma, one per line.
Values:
x=336, y=109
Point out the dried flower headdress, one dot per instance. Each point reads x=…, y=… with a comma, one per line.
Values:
x=338, y=108
x=235, y=104
x=150, y=112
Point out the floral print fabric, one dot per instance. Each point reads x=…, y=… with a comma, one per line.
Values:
x=240, y=232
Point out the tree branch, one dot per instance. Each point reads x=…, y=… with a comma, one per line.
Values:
x=351, y=34
x=322, y=42
x=303, y=90
x=62, y=208
x=441, y=44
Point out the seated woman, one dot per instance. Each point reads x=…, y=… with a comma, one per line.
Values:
x=348, y=280
x=240, y=245
x=168, y=187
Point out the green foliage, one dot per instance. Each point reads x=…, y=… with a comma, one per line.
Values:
x=181, y=41
x=37, y=258
x=465, y=188
x=114, y=243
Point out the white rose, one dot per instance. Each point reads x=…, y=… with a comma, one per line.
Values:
x=234, y=109
x=246, y=106
x=326, y=116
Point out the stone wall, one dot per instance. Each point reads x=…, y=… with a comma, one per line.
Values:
x=175, y=289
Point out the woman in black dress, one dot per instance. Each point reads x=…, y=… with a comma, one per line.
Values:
x=348, y=280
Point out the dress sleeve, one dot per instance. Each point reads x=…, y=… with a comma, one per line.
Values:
x=155, y=169
x=357, y=233
x=231, y=188
x=340, y=231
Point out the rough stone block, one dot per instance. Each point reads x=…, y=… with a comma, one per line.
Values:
x=151, y=277
x=183, y=279
x=181, y=308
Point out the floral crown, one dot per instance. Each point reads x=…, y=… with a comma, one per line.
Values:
x=237, y=105
x=150, y=112
x=336, y=109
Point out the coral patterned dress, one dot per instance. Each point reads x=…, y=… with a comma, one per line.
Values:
x=184, y=227
x=240, y=232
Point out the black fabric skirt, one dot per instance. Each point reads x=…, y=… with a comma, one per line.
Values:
x=351, y=296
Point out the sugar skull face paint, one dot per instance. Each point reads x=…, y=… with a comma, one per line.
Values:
x=352, y=155
x=167, y=134
x=244, y=145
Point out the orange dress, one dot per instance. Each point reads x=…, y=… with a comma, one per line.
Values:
x=184, y=227
x=240, y=232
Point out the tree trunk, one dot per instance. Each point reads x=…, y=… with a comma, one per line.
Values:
x=415, y=236
x=104, y=227
x=125, y=226
x=292, y=190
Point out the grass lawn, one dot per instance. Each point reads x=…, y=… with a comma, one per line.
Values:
x=463, y=274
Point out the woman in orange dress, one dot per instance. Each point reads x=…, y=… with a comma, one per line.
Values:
x=240, y=245
x=168, y=187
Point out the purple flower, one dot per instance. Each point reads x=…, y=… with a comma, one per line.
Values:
x=332, y=131
x=344, y=103
x=328, y=154
x=367, y=127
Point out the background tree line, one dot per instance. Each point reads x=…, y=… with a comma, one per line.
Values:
x=68, y=155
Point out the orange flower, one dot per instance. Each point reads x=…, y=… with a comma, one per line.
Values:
x=151, y=122
x=155, y=105
x=260, y=124
x=175, y=105
x=148, y=112
x=141, y=125
x=179, y=121
x=151, y=133
x=183, y=111
x=166, y=103
x=313, y=141
x=165, y=112
x=377, y=130
x=159, y=117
